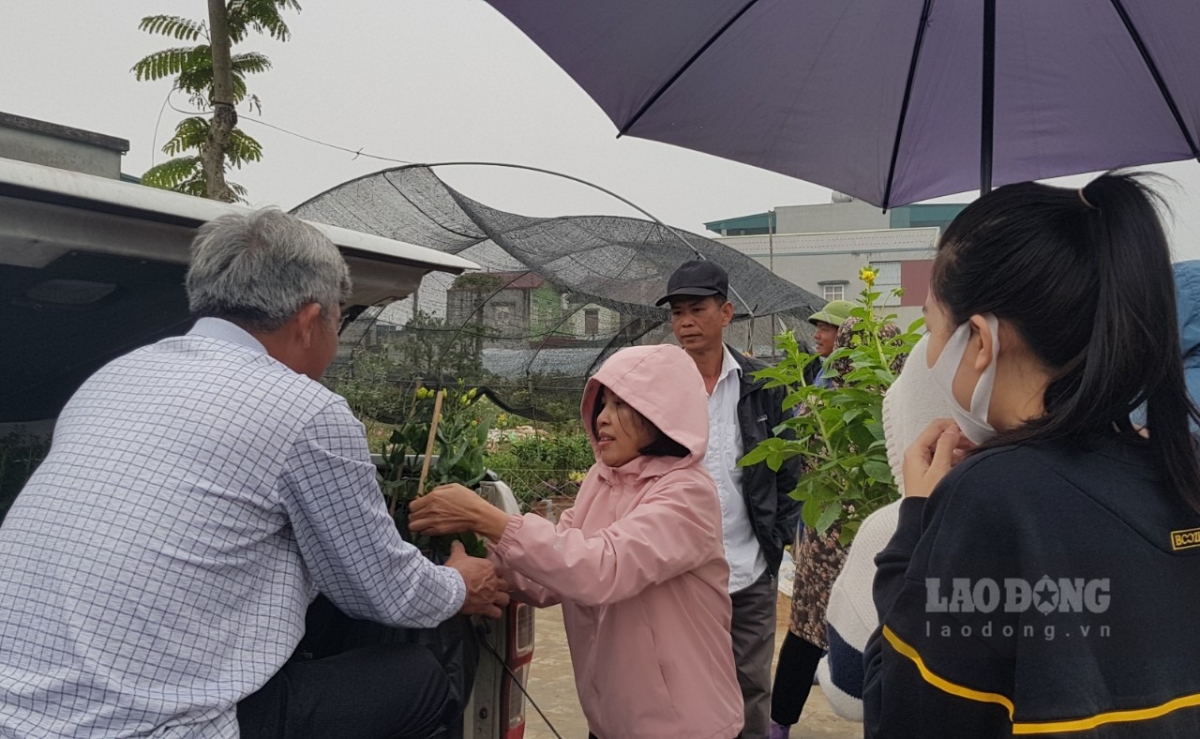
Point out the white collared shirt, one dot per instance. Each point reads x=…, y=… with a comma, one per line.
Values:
x=745, y=556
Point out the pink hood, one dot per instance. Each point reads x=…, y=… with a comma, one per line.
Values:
x=640, y=570
x=662, y=383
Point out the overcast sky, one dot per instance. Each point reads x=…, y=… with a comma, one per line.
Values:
x=417, y=80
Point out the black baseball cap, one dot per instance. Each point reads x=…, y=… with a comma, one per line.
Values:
x=697, y=279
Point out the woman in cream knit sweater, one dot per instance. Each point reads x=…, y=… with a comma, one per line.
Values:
x=909, y=406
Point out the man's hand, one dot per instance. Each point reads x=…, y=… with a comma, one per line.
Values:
x=453, y=509
x=487, y=593
x=931, y=457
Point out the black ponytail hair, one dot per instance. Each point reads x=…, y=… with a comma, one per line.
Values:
x=1085, y=278
x=661, y=446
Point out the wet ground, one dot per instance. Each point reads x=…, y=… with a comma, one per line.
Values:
x=552, y=685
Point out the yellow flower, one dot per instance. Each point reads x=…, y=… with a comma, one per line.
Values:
x=867, y=275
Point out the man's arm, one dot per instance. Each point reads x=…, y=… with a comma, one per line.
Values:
x=346, y=537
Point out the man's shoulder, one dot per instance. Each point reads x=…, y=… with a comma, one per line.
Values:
x=241, y=377
x=243, y=360
x=749, y=383
x=748, y=365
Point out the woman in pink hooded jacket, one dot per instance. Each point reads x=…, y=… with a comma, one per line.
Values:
x=637, y=564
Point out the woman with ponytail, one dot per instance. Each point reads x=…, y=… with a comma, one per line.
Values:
x=1044, y=577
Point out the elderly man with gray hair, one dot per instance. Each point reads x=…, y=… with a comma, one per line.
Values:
x=156, y=571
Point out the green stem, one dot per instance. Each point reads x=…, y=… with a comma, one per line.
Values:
x=875, y=327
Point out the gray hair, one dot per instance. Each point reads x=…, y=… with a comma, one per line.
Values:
x=259, y=268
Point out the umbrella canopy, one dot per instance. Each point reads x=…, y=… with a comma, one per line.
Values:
x=892, y=101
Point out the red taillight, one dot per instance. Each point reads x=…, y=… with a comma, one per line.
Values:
x=514, y=705
x=518, y=656
x=520, y=633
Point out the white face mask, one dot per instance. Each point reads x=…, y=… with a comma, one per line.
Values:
x=973, y=422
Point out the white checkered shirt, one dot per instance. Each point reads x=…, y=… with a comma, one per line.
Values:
x=157, y=567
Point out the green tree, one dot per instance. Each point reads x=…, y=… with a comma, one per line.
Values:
x=204, y=147
x=434, y=349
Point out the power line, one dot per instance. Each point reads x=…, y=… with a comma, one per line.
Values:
x=356, y=152
x=157, y=123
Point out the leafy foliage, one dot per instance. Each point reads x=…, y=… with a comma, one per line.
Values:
x=182, y=29
x=385, y=405
x=261, y=16
x=839, y=430
x=191, y=133
x=461, y=439
x=543, y=465
x=477, y=281
x=551, y=396
x=366, y=385
x=192, y=68
x=183, y=174
x=431, y=348
x=168, y=62
x=573, y=452
x=174, y=174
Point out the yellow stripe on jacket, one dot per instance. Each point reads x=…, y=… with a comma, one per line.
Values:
x=1041, y=727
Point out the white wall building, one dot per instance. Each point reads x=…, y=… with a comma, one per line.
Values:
x=822, y=247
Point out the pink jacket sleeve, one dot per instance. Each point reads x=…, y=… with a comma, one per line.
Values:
x=671, y=531
x=523, y=588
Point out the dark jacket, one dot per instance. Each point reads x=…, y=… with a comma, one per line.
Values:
x=773, y=512
x=1040, y=589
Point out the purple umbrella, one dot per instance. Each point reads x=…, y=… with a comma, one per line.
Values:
x=891, y=101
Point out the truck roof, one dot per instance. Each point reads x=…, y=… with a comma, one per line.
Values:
x=92, y=267
x=129, y=219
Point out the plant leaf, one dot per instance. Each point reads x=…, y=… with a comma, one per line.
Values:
x=170, y=62
x=829, y=514
x=172, y=174
x=880, y=471
x=183, y=29
x=190, y=133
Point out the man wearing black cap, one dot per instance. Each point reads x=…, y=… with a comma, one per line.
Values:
x=759, y=517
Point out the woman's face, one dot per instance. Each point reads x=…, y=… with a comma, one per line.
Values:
x=941, y=327
x=620, y=431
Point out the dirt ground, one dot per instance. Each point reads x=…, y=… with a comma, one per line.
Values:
x=552, y=685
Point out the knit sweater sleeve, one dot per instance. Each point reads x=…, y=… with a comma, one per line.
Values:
x=851, y=615
x=894, y=445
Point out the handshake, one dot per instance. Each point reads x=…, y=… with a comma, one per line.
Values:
x=453, y=509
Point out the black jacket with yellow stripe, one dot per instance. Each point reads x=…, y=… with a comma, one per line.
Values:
x=1041, y=590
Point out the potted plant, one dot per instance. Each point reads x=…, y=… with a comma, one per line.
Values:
x=838, y=430
x=448, y=429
